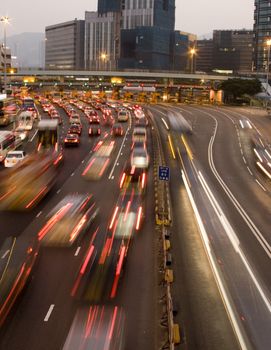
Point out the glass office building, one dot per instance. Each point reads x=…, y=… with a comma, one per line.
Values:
x=146, y=35
x=262, y=33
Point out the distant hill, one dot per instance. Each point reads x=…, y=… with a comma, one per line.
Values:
x=29, y=48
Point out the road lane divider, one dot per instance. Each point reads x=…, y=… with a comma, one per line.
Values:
x=118, y=155
x=49, y=312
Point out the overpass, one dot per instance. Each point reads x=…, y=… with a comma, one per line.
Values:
x=66, y=77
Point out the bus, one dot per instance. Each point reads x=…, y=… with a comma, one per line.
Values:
x=9, y=108
x=7, y=143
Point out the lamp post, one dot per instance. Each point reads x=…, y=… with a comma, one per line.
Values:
x=5, y=21
x=268, y=43
x=103, y=58
x=192, y=53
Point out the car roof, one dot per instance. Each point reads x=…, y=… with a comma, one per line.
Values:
x=15, y=152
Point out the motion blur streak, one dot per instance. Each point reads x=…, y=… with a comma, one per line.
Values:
x=88, y=167
x=264, y=170
x=113, y=322
x=76, y=230
x=188, y=150
x=53, y=220
x=104, y=167
x=105, y=251
x=35, y=198
x=12, y=291
x=171, y=147
x=139, y=213
x=6, y=194
x=122, y=180
x=143, y=180
x=83, y=269
x=114, y=217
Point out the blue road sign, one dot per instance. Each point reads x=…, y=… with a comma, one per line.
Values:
x=164, y=173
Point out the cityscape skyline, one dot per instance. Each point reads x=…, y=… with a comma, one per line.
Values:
x=222, y=16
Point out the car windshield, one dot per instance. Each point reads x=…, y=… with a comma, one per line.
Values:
x=14, y=155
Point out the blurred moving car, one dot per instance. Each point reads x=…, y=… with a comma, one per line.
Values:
x=117, y=130
x=72, y=140
x=140, y=158
x=68, y=220
x=18, y=256
x=123, y=115
x=24, y=185
x=97, y=327
x=94, y=130
x=139, y=134
x=13, y=157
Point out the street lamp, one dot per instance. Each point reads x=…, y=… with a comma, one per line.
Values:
x=103, y=58
x=5, y=21
x=192, y=53
x=268, y=43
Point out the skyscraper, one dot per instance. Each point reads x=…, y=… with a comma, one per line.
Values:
x=147, y=27
x=262, y=33
x=105, y=6
x=64, y=45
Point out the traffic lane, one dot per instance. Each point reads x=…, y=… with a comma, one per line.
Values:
x=138, y=289
x=56, y=293
x=254, y=200
x=13, y=223
x=257, y=116
x=230, y=165
x=205, y=324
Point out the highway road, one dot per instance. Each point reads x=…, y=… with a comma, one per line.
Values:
x=43, y=315
x=220, y=237
x=231, y=201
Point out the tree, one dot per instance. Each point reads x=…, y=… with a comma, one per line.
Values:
x=237, y=88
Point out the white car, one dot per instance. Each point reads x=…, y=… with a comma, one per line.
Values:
x=14, y=157
x=140, y=158
x=123, y=115
x=139, y=134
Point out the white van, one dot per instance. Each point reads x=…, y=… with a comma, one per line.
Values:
x=14, y=157
x=26, y=120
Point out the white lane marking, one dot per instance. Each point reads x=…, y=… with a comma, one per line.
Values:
x=262, y=187
x=244, y=159
x=39, y=214
x=58, y=191
x=83, y=161
x=249, y=171
x=253, y=228
x=49, y=312
x=72, y=174
x=77, y=251
x=116, y=161
x=35, y=133
x=5, y=254
x=112, y=177
x=165, y=123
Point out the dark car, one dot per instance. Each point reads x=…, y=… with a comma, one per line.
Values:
x=94, y=130
x=75, y=129
x=117, y=130
x=72, y=140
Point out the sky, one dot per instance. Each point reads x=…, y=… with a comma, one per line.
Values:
x=195, y=16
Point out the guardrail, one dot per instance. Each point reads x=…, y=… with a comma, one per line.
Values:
x=163, y=218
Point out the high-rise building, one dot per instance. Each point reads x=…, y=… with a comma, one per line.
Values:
x=105, y=6
x=204, y=56
x=146, y=32
x=64, y=45
x=5, y=54
x=102, y=34
x=182, y=43
x=233, y=50
x=262, y=33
